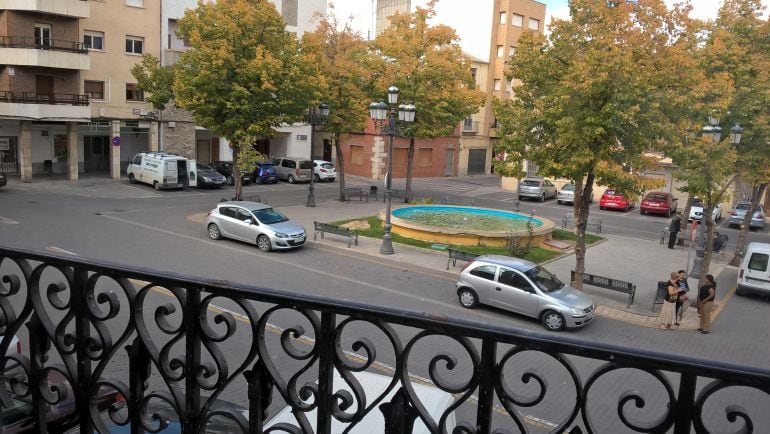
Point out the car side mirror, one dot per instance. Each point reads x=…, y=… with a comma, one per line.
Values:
x=248, y=221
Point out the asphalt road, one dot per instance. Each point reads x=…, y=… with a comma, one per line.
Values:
x=143, y=228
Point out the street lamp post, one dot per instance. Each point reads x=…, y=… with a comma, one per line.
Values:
x=316, y=116
x=379, y=111
x=714, y=132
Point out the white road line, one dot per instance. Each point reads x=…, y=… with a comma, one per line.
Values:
x=7, y=221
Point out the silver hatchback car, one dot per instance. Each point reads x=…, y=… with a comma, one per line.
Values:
x=536, y=188
x=525, y=288
x=255, y=223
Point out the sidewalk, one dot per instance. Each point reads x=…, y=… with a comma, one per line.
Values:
x=642, y=262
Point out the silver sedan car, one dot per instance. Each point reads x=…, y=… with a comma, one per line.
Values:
x=254, y=223
x=525, y=288
x=739, y=212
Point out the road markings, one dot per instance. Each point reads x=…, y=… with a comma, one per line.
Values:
x=7, y=221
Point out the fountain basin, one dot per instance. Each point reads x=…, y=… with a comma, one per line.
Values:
x=466, y=226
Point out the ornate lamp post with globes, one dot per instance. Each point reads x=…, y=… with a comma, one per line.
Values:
x=315, y=116
x=379, y=111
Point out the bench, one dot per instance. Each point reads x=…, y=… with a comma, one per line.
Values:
x=356, y=192
x=593, y=224
x=608, y=283
x=396, y=193
x=455, y=254
x=333, y=229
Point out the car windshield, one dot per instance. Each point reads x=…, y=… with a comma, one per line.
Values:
x=568, y=187
x=653, y=196
x=205, y=167
x=543, y=278
x=269, y=216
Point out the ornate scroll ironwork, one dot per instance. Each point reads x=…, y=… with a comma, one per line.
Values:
x=120, y=346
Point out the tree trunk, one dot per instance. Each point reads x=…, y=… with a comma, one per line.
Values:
x=340, y=165
x=237, y=171
x=708, y=245
x=757, y=191
x=409, y=164
x=581, y=209
x=685, y=219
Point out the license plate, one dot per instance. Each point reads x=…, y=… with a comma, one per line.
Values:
x=758, y=282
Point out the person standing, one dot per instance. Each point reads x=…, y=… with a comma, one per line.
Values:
x=706, y=296
x=673, y=229
x=668, y=312
x=684, y=288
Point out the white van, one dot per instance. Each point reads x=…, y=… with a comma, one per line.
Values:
x=162, y=170
x=754, y=275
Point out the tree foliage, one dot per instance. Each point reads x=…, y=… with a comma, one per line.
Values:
x=244, y=74
x=589, y=98
x=427, y=65
x=154, y=79
x=343, y=59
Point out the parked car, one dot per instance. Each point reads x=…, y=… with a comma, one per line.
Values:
x=523, y=287
x=293, y=169
x=255, y=223
x=614, y=199
x=209, y=177
x=567, y=194
x=739, y=212
x=696, y=211
x=536, y=188
x=659, y=202
x=324, y=171
x=3, y=179
x=754, y=274
x=264, y=173
x=226, y=169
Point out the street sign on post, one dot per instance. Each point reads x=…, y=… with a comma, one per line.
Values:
x=116, y=141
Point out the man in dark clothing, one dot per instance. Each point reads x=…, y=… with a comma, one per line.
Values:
x=673, y=229
x=684, y=288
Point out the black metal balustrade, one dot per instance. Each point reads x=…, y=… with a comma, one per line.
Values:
x=44, y=98
x=155, y=337
x=43, y=44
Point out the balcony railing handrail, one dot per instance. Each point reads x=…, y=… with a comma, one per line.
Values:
x=491, y=336
x=43, y=44
x=55, y=98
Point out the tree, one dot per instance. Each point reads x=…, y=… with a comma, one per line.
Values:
x=427, y=65
x=156, y=80
x=343, y=59
x=589, y=97
x=244, y=75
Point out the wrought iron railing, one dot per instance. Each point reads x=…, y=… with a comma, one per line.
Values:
x=43, y=44
x=44, y=98
x=200, y=353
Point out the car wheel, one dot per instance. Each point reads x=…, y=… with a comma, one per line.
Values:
x=230, y=180
x=558, y=201
x=316, y=178
x=601, y=207
x=156, y=185
x=131, y=178
x=263, y=243
x=520, y=198
x=214, y=233
x=552, y=320
x=643, y=212
x=542, y=197
x=468, y=298
x=628, y=208
x=290, y=179
x=668, y=214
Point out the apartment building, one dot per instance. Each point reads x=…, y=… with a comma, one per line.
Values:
x=475, y=148
x=387, y=8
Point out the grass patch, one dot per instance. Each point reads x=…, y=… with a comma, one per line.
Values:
x=376, y=230
x=559, y=234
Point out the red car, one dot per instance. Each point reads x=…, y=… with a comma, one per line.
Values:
x=659, y=202
x=613, y=199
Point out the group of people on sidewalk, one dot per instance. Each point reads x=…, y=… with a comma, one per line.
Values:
x=676, y=296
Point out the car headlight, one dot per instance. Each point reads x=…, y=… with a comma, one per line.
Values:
x=576, y=311
x=281, y=235
x=207, y=179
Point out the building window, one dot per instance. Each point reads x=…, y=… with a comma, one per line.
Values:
x=517, y=20
x=93, y=40
x=94, y=89
x=511, y=51
x=133, y=93
x=497, y=84
x=134, y=45
x=42, y=35
x=356, y=154
x=473, y=76
x=135, y=3
x=424, y=157
x=289, y=12
x=502, y=17
x=534, y=24
x=508, y=85
x=500, y=51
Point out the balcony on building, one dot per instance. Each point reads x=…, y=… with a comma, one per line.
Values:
x=171, y=56
x=44, y=106
x=66, y=8
x=44, y=52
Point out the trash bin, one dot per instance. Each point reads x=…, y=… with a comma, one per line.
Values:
x=48, y=167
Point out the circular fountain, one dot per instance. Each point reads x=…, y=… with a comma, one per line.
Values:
x=467, y=226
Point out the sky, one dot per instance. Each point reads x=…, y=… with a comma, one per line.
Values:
x=473, y=24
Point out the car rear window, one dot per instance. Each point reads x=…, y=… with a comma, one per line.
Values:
x=307, y=164
x=327, y=166
x=609, y=192
x=228, y=211
x=743, y=206
x=758, y=261
x=531, y=183
x=654, y=196
x=568, y=187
